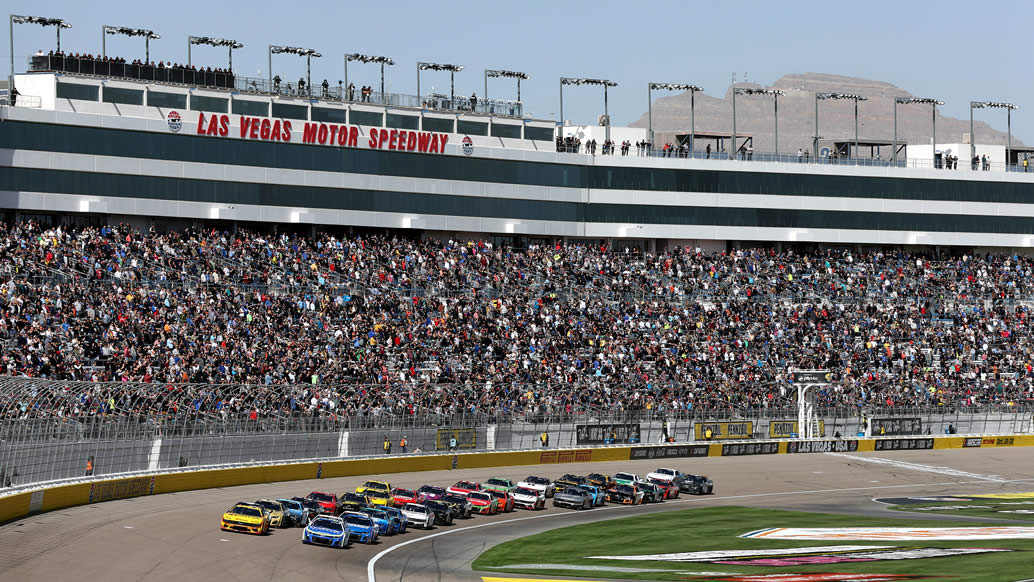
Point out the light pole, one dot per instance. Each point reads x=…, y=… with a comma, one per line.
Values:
x=993, y=105
x=775, y=93
x=507, y=74
x=670, y=87
x=914, y=100
x=368, y=59
x=229, y=44
x=837, y=96
x=453, y=69
x=126, y=31
x=308, y=53
x=581, y=81
x=40, y=20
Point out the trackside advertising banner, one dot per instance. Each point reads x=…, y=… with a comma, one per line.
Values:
x=896, y=426
x=785, y=429
x=600, y=434
x=837, y=446
x=668, y=452
x=724, y=430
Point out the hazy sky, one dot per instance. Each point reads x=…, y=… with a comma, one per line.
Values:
x=952, y=50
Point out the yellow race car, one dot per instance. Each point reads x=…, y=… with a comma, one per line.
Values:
x=246, y=518
x=379, y=498
x=277, y=515
x=373, y=486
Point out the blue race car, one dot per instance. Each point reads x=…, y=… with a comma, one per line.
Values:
x=397, y=514
x=361, y=527
x=385, y=523
x=327, y=530
x=599, y=497
x=298, y=513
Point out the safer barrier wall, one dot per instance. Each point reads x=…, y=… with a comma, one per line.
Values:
x=16, y=505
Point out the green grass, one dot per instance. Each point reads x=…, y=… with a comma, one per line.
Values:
x=718, y=528
x=975, y=508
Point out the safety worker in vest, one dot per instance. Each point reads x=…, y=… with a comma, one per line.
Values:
x=402, y=444
x=544, y=438
x=1024, y=164
x=387, y=446
x=708, y=434
x=89, y=466
x=883, y=431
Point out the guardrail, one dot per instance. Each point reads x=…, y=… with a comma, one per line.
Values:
x=19, y=503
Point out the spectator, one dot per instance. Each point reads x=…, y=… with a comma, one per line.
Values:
x=473, y=101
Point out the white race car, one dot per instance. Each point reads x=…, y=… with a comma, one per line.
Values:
x=418, y=515
x=665, y=474
x=539, y=484
x=626, y=478
x=529, y=498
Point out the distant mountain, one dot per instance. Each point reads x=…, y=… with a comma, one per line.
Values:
x=797, y=115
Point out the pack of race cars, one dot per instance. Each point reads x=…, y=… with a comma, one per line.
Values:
x=377, y=509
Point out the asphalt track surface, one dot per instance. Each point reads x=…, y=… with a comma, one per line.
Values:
x=176, y=536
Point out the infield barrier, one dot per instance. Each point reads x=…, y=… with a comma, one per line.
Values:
x=43, y=499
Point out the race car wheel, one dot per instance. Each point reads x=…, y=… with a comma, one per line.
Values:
x=585, y=505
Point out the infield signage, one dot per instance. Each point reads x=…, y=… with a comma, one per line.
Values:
x=893, y=533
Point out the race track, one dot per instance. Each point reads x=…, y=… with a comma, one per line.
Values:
x=176, y=536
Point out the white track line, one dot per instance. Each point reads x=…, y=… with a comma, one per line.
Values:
x=373, y=561
x=920, y=467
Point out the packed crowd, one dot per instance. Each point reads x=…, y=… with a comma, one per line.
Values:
x=250, y=324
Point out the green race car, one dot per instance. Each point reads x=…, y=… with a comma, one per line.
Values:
x=499, y=484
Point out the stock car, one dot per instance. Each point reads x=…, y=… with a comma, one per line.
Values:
x=601, y=480
x=569, y=480
x=386, y=524
x=277, y=515
x=400, y=497
x=298, y=513
x=695, y=484
x=461, y=506
x=378, y=498
x=327, y=530
x=573, y=497
x=545, y=486
x=482, y=502
x=505, y=499
x=361, y=527
x=529, y=498
x=442, y=511
x=670, y=489
x=310, y=504
x=245, y=518
x=430, y=492
x=327, y=501
x=498, y=484
x=665, y=474
x=625, y=479
x=373, y=486
x=352, y=502
x=625, y=495
x=651, y=492
x=397, y=514
x=418, y=515
x=464, y=487
x=599, y=496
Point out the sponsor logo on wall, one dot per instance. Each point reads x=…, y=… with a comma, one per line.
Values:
x=741, y=449
x=973, y=442
x=785, y=429
x=175, y=121
x=896, y=426
x=468, y=145
x=848, y=446
x=669, y=452
x=903, y=444
x=598, y=434
x=724, y=430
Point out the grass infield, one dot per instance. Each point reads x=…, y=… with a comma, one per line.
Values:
x=719, y=528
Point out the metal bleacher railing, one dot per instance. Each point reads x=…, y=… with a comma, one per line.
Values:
x=39, y=446
x=227, y=80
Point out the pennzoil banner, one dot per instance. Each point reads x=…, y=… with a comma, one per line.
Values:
x=724, y=430
x=466, y=438
x=786, y=429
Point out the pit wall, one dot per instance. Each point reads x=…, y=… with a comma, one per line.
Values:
x=20, y=504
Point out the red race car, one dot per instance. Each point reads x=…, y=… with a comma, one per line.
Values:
x=400, y=497
x=327, y=501
x=670, y=489
x=464, y=487
x=504, y=498
x=483, y=502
